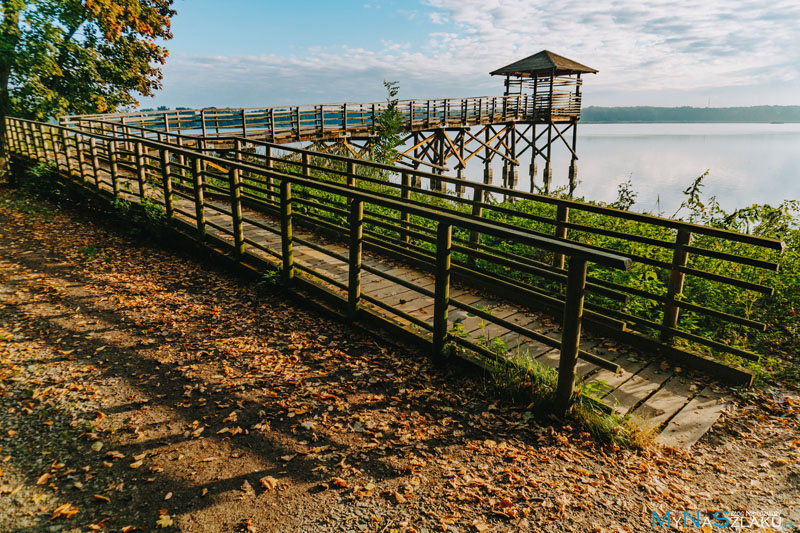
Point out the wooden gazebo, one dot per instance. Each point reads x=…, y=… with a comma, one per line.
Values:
x=554, y=85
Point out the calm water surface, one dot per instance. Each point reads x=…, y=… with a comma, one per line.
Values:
x=747, y=163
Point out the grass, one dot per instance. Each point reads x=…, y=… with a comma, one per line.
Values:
x=524, y=381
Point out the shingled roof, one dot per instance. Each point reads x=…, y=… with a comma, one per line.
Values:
x=543, y=62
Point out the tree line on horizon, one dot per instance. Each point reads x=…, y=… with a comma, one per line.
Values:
x=764, y=113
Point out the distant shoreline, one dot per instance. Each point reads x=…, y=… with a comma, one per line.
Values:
x=589, y=121
x=691, y=115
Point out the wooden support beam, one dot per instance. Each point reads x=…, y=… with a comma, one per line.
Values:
x=571, y=333
x=354, y=264
x=287, y=256
x=441, y=302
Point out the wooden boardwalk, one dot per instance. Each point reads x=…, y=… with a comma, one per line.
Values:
x=679, y=404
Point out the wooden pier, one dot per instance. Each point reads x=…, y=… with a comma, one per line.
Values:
x=388, y=251
x=540, y=108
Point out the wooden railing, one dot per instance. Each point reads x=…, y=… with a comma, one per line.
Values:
x=163, y=172
x=676, y=252
x=295, y=123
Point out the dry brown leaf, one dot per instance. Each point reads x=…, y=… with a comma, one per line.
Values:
x=65, y=511
x=268, y=482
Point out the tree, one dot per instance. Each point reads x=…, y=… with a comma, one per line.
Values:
x=79, y=56
x=388, y=127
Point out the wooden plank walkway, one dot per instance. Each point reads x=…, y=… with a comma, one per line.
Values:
x=680, y=405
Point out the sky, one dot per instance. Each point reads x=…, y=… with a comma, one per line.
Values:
x=251, y=53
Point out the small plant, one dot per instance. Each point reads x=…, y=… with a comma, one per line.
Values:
x=89, y=252
x=626, y=195
x=270, y=279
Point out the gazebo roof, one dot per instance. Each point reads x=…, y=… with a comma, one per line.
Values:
x=543, y=62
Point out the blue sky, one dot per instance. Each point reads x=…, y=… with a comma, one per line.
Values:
x=659, y=52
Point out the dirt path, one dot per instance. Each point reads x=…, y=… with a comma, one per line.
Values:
x=140, y=389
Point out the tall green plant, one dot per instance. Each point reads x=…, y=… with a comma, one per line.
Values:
x=389, y=127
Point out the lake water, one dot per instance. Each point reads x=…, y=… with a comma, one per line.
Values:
x=747, y=163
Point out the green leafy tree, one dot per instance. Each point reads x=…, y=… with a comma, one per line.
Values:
x=388, y=128
x=79, y=56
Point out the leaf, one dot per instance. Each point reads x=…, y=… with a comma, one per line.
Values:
x=268, y=482
x=339, y=482
x=97, y=446
x=44, y=478
x=137, y=464
x=164, y=521
x=101, y=498
x=65, y=511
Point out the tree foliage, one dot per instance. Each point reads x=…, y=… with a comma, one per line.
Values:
x=82, y=56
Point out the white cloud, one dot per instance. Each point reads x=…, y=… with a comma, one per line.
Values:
x=643, y=48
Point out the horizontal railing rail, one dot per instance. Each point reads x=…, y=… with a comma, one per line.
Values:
x=190, y=185
x=660, y=245
x=320, y=121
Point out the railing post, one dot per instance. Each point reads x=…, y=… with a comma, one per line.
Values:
x=79, y=143
x=141, y=170
x=405, y=216
x=441, y=302
x=167, y=183
x=270, y=164
x=354, y=264
x=570, y=333
x=112, y=164
x=39, y=134
x=351, y=174
x=65, y=148
x=477, y=211
x=286, y=232
x=199, y=200
x=95, y=161
x=675, y=285
x=306, y=165
x=236, y=203
x=562, y=215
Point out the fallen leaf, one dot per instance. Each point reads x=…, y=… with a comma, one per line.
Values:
x=101, y=498
x=65, y=511
x=137, y=464
x=164, y=521
x=268, y=482
x=44, y=478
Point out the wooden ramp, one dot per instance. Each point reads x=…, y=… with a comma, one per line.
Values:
x=680, y=405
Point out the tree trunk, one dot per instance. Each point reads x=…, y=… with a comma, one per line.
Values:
x=9, y=38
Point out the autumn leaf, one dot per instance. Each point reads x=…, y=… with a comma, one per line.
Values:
x=268, y=482
x=164, y=521
x=65, y=511
x=339, y=482
x=44, y=478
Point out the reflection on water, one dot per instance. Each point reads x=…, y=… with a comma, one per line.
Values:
x=748, y=163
